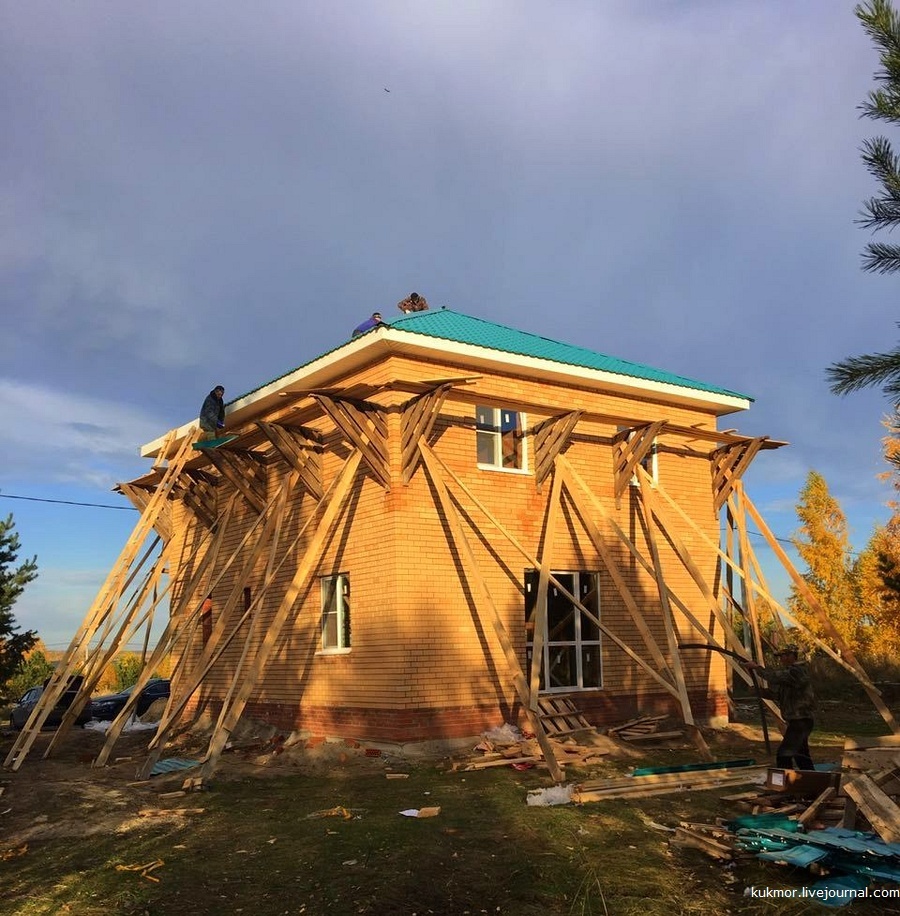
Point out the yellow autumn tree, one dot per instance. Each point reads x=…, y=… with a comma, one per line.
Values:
x=824, y=546
x=879, y=564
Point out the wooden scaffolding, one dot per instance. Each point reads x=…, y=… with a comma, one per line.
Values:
x=190, y=474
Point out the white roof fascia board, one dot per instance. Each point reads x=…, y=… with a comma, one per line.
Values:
x=385, y=340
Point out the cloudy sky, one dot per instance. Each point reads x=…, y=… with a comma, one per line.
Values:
x=217, y=192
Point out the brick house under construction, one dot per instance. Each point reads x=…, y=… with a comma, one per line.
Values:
x=437, y=527
x=410, y=518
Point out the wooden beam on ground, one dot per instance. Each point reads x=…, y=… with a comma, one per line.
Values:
x=550, y=438
x=815, y=606
x=520, y=682
x=880, y=810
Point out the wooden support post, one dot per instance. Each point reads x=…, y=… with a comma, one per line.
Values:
x=605, y=630
x=813, y=603
x=550, y=438
x=606, y=555
x=307, y=566
x=107, y=599
x=365, y=427
x=749, y=603
x=177, y=626
x=519, y=680
x=646, y=493
x=540, y=609
x=728, y=633
x=419, y=416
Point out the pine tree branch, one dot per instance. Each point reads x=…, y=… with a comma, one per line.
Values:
x=858, y=372
x=881, y=258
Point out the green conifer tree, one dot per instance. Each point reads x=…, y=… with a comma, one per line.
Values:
x=13, y=579
x=881, y=23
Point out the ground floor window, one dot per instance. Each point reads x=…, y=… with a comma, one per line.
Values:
x=571, y=655
x=336, y=612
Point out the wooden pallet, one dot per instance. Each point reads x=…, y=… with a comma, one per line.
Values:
x=560, y=717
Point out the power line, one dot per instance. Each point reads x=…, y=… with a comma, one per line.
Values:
x=66, y=502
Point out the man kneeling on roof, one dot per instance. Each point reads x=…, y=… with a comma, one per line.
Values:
x=790, y=687
x=212, y=414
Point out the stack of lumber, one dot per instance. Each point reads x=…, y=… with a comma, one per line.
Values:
x=691, y=777
x=528, y=753
x=560, y=717
x=871, y=785
x=644, y=728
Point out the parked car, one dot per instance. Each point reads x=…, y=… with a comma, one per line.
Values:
x=20, y=712
x=107, y=707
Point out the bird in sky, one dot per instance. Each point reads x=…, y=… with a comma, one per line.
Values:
x=387, y=90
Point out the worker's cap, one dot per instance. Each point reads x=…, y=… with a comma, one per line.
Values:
x=788, y=649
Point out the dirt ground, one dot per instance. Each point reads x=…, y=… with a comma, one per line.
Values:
x=65, y=796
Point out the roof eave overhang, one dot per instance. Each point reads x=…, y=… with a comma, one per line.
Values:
x=386, y=341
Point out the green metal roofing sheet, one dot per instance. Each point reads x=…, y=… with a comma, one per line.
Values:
x=446, y=324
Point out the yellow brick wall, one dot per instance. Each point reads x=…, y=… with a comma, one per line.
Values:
x=422, y=638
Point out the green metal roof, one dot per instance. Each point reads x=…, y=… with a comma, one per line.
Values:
x=446, y=324
x=449, y=325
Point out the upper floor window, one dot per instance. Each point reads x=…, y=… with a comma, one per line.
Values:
x=648, y=463
x=500, y=438
x=336, y=611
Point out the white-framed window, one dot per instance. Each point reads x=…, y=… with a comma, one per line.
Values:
x=649, y=463
x=500, y=438
x=572, y=655
x=335, y=612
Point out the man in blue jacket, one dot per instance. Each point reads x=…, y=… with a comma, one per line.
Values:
x=368, y=324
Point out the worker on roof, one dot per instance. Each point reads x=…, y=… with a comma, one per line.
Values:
x=790, y=687
x=368, y=324
x=212, y=414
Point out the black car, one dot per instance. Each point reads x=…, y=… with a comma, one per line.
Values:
x=106, y=708
x=19, y=714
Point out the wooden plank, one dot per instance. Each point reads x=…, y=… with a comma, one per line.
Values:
x=366, y=436
x=637, y=617
x=647, y=500
x=305, y=568
x=550, y=438
x=696, y=840
x=814, y=605
x=520, y=682
x=235, y=471
x=812, y=812
x=641, y=662
x=879, y=809
x=539, y=637
x=107, y=599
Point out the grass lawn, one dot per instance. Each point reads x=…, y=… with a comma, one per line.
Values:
x=257, y=848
